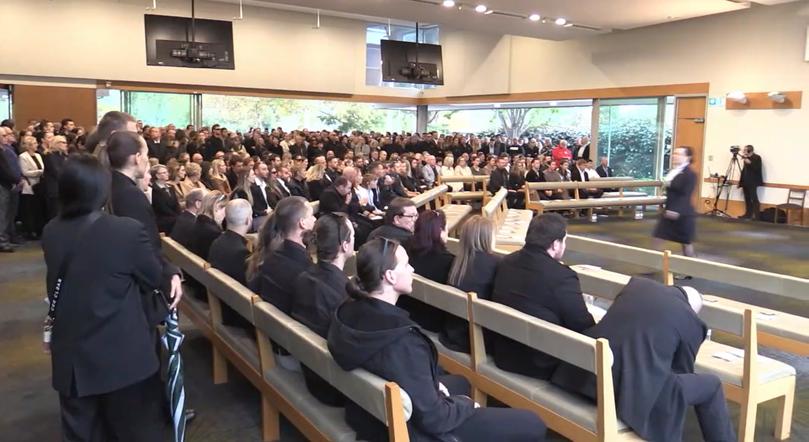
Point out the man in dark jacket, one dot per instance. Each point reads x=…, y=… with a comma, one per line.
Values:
x=750, y=181
x=183, y=230
x=604, y=170
x=11, y=180
x=655, y=334
x=534, y=281
x=399, y=223
x=229, y=252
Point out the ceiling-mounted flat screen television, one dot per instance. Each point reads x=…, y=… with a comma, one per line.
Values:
x=407, y=62
x=172, y=41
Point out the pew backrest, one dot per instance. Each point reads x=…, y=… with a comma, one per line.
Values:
x=232, y=293
x=185, y=259
x=433, y=195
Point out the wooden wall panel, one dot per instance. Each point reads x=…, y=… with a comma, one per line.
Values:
x=689, y=130
x=54, y=103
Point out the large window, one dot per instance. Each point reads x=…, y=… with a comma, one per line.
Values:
x=5, y=104
x=377, y=32
x=160, y=109
x=243, y=113
x=107, y=100
x=562, y=119
x=635, y=134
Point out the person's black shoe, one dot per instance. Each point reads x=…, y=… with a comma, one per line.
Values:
x=190, y=414
x=683, y=277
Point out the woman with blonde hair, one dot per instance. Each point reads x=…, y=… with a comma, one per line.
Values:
x=208, y=225
x=315, y=181
x=32, y=202
x=193, y=173
x=472, y=270
x=218, y=178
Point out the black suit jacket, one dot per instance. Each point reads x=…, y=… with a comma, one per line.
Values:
x=278, y=273
x=532, y=282
x=678, y=193
x=206, y=230
x=752, y=175
x=479, y=278
x=53, y=164
x=585, y=153
x=260, y=204
x=157, y=149
x=165, y=206
x=229, y=253
x=183, y=230
x=101, y=340
x=332, y=201
x=498, y=179
x=535, y=177
x=127, y=200
x=604, y=172
x=654, y=335
x=435, y=266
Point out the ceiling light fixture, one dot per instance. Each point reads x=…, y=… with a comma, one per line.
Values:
x=568, y=25
x=534, y=17
x=561, y=21
x=448, y=3
x=481, y=8
x=490, y=11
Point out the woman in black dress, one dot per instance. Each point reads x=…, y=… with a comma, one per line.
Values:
x=678, y=222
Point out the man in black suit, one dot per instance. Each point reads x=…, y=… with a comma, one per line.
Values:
x=282, y=178
x=582, y=149
x=579, y=173
x=183, y=231
x=337, y=197
x=235, y=165
x=156, y=145
x=214, y=144
x=534, y=281
x=500, y=178
x=604, y=170
x=230, y=250
x=261, y=191
x=751, y=179
x=655, y=335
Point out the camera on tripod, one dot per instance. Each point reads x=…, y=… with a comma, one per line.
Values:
x=735, y=150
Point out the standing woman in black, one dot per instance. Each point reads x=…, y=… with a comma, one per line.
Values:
x=54, y=160
x=102, y=350
x=678, y=222
x=371, y=332
x=165, y=204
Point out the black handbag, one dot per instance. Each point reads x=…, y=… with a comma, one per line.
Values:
x=155, y=307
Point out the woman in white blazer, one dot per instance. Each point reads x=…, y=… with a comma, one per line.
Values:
x=32, y=202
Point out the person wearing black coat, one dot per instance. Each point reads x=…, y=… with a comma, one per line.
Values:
x=336, y=197
x=208, y=225
x=604, y=170
x=678, y=222
x=104, y=363
x=321, y=289
x=371, y=332
x=655, y=335
x=399, y=223
x=53, y=163
x=183, y=229
x=534, y=281
x=165, y=205
x=750, y=180
x=229, y=253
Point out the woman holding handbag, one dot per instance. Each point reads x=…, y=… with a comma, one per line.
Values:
x=101, y=269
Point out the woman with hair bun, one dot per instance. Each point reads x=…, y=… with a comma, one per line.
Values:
x=371, y=332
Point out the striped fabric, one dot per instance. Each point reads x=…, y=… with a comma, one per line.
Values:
x=175, y=390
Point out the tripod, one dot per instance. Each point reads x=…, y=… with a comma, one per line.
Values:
x=733, y=165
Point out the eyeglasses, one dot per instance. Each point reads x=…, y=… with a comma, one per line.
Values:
x=413, y=216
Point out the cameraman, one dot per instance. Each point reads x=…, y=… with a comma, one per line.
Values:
x=750, y=180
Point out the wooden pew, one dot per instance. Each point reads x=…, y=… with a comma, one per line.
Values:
x=435, y=199
x=431, y=199
x=591, y=203
x=779, y=330
x=510, y=225
x=748, y=379
x=478, y=191
x=290, y=396
x=284, y=391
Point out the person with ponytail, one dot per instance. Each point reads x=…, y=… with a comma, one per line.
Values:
x=322, y=288
x=371, y=332
x=280, y=254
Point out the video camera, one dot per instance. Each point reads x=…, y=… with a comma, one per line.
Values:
x=735, y=150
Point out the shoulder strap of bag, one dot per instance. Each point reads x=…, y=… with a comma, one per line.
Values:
x=65, y=265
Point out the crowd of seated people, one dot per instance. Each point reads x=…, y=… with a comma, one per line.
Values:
x=210, y=188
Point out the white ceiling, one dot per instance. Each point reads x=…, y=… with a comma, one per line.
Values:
x=589, y=16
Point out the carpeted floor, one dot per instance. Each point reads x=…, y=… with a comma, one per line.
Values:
x=230, y=412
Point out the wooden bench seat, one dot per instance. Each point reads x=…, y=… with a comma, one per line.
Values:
x=455, y=213
x=619, y=198
x=477, y=188
x=510, y=225
x=431, y=199
x=596, y=203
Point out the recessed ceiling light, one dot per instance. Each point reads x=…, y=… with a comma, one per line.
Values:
x=534, y=17
x=481, y=8
x=561, y=21
x=490, y=11
x=448, y=3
